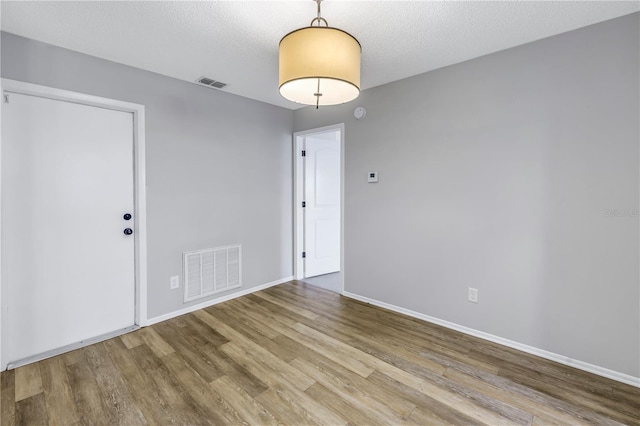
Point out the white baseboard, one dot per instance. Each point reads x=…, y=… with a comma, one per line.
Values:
x=212, y=302
x=600, y=371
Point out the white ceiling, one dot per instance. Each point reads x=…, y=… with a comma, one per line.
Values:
x=237, y=41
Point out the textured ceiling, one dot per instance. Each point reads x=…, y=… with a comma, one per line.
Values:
x=237, y=41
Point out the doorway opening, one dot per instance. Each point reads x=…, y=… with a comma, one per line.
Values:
x=319, y=201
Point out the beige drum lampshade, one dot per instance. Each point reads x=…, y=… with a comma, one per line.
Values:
x=319, y=66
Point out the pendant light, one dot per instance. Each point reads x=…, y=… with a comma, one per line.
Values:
x=319, y=65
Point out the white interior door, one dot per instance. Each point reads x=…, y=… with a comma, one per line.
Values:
x=322, y=199
x=67, y=265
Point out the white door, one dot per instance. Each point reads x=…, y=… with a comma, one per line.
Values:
x=322, y=199
x=67, y=265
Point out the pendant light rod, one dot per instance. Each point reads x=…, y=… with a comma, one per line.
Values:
x=318, y=93
x=319, y=18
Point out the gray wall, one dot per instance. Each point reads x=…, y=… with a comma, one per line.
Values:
x=497, y=174
x=218, y=165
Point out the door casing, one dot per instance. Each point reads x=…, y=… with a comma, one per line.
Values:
x=298, y=197
x=140, y=234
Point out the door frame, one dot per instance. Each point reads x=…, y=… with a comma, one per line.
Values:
x=139, y=180
x=298, y=192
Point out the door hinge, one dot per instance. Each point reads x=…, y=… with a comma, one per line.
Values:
x=6, y=98
x=304, y=204
x=304, y=254
x=304, y=153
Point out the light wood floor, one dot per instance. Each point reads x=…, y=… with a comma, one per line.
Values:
x=297, y=355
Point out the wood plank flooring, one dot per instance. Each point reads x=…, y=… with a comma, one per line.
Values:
x=300, y=355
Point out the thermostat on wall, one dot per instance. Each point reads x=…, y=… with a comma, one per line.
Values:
x=359, y=113
x=372, y=177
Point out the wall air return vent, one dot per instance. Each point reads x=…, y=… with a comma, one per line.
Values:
x=211, y=82
x=211, y=271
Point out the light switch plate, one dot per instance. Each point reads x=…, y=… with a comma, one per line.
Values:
x=372, y=177
x=175, y=282
x=472, y=295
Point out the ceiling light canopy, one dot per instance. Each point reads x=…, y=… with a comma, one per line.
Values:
x=319, y=65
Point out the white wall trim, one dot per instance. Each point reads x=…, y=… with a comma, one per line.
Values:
x=298, y=193
x=590, y=368
x=212, y=302
x=140, y=182
x=138, y=111
x=298, y=213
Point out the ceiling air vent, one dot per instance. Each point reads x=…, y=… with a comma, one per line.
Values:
x=211, y=82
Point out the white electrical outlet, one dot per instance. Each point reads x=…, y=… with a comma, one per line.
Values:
x=473, y=295
x=175, y=282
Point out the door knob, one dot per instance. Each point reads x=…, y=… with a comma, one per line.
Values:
x=128, y=231
x=127, y=216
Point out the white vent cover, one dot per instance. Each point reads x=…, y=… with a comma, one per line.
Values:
x=211, y=271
